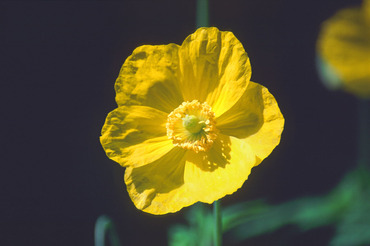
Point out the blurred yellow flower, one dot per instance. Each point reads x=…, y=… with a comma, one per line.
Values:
x=190, y=124
x=344, y=50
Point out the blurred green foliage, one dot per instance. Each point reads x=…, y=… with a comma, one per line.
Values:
x=105, y=229
x=198, y=232
x=346, y=207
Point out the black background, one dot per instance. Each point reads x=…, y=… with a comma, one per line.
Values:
x=59, y=62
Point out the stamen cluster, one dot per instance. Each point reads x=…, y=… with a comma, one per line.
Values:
x=182, y=137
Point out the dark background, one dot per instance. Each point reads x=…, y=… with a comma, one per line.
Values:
x=59, y=62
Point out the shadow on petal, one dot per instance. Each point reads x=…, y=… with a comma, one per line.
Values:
x=246, y=117
x=146, y=183
x=217, y=157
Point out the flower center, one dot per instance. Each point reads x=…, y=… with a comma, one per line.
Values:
x=192, y=126
x=192, y=123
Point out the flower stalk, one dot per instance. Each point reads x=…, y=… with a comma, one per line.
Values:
x=203, y=21
x=202, y=14
x=217, y=223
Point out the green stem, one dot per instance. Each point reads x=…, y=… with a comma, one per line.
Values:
x=202, y=13
x=364, y=132
x=105, y=227
x=217, y=223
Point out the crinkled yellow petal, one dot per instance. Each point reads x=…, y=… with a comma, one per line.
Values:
x=268, y=136
x=154, y=188
x=135, y=135
x=182, y=178
x=256, y=119
x=246, y=116
x=149, y=77
x=344, y=43
x=214, y=68
x=219, y=172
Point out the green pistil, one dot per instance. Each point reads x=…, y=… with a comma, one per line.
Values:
x=192, y=124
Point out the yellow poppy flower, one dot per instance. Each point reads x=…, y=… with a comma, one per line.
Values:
x=344, y=50
x=189, y=125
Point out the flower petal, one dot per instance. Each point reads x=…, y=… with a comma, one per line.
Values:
x=182, y=178
x=135, y=135
x=215, y=68
x=344, y=43
x=154, y=188
x=149, y=77
x=256, y=119
x=210, y=176
x=246, y=116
